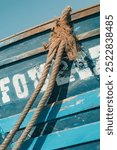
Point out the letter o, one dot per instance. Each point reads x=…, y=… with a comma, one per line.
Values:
x=20, y=86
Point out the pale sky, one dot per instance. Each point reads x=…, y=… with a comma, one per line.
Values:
x=19, y=15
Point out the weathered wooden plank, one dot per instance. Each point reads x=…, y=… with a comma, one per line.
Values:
x=33, y=42
x=57, y=110
x=94, y=145
x=75, y=120
x=85, y=12
x=68, y=122
x=22, y=56
x=65, y=138
x=48, y=25
x=89, y=34
x=41, y=49
x=74, y=79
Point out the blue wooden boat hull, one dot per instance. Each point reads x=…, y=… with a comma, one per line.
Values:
x=71, y=118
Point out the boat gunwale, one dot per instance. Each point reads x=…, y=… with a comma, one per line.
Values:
x=48, y=25
x=39, y=50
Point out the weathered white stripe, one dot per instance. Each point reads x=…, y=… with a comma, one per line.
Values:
x=94, y=51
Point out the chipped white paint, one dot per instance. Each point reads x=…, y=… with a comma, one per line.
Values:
x=64, y=80
x=63, y=77
x=4, y=89
x=97, y=67
x=19, y=82
x=85, y=73
x=94, y=51
x=20, y=85
x=34, y=75
x=79, y=102
x=77, y=28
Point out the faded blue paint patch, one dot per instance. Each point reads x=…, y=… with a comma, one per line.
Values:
x=84, y=25
x=69, y=79
x=2, y=134
x=95, y=145
x=35, y=41
x=78, y=135
x=79, y=103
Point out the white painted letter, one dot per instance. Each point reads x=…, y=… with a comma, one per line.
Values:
x=20, y=85
x=33, y=74
x=4, y=89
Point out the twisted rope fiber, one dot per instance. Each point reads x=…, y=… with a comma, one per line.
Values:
x=44, y=98
x=31, y=100
x=61, y=39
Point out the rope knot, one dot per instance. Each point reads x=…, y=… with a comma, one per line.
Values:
x=61, y=39
x=63, y=32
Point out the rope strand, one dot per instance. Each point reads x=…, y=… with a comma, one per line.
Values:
x=29, y=103
x=61, y=39
x=44, y=98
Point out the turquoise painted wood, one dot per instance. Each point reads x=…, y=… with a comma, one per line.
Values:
x=70, y=121
x=70, y=78
x=62, y=139
x=95, y=145
x=77, y=104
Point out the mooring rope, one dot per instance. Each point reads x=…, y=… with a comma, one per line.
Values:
x=61, y=39
x=29, y=103
x=43, y=100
